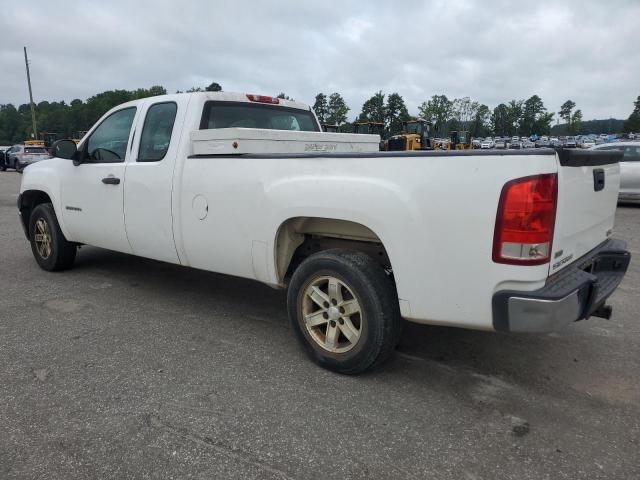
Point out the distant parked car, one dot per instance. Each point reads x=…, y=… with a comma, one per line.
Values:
x=528, y=144
x=19, y=156
x=587, y=143
x=501, y=144
x=570, y=142
x=487, y=143
x=629, y=168
x=515, y=144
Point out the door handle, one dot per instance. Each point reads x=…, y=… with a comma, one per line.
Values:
x=111, y=180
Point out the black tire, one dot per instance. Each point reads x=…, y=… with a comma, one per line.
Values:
x=63, y=253
x=380, y=323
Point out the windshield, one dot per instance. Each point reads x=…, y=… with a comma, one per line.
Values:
x=414, y=128
x=250, y=115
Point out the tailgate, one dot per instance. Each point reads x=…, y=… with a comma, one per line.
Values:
x=588, y=183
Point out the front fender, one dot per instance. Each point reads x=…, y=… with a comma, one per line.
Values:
x=44, y=177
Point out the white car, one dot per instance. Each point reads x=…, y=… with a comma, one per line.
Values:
x=629, y=168
x=20, y=156
x=587, y=143
x=487, y=143
x=249, y=186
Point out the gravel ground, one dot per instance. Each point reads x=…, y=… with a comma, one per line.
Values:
x=130, y=368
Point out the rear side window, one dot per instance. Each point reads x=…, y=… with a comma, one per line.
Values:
x=631, y=154
x=248, y=115
x=156, y=132
x=34, y=150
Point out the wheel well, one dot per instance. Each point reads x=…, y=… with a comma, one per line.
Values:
x=29, y=200
x=301, y=237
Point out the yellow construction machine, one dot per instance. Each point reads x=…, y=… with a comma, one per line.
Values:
x=414, y=136
x=460, y=140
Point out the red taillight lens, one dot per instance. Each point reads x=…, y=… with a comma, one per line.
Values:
x=525, y=219
x=263, y=99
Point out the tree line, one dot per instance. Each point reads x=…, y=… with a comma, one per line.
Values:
x=516, y=117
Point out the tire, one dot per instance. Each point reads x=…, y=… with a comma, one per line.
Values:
x=345, y=337
x=60, y=253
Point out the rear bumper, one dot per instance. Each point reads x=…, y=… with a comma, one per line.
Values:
x=575, y=293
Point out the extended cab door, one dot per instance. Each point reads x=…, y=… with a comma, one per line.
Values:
x=149, y=178
x=92, y=192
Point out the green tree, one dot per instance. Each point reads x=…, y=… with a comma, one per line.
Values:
x=284, y=96
x=576, y=122
x=514, y=116
x=463, y=112
x=395, y=113
x=337, y=109
x=321, y=108
x=438, y=111
x=481, y=122
x=566, y=109
x=632, y=124
x=214, y=87
x=373, y=109
x=500, y=122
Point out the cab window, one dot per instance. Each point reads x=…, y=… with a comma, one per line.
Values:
x=156, y=132
x=631, y=154
x=108, y=142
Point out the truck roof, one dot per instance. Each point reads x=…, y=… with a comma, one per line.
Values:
x=227, y=97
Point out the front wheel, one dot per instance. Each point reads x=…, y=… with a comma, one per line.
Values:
x=51, y=250
x=344, y=310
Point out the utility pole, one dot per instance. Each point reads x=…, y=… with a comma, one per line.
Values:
x=33, y=111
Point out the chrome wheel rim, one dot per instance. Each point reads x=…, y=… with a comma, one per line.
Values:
x=42, y=239
x=331, y=314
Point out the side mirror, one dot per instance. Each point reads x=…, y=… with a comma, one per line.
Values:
x=64, y=149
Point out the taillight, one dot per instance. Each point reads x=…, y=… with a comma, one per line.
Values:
x=525, y=219
x=263, y=99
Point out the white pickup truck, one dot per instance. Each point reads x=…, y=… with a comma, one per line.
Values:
x=248, y=185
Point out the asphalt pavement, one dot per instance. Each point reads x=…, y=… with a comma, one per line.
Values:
x=130, y=368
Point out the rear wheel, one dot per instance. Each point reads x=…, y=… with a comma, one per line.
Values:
x=344, y=310
x=51, y=250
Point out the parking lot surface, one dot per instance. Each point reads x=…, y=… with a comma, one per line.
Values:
x=130, y=368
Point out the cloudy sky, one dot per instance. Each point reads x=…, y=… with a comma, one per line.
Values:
x=490, y=50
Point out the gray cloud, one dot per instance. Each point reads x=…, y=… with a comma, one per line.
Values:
x=492, y=51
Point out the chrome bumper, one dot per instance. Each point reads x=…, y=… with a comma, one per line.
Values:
x=576, y=293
